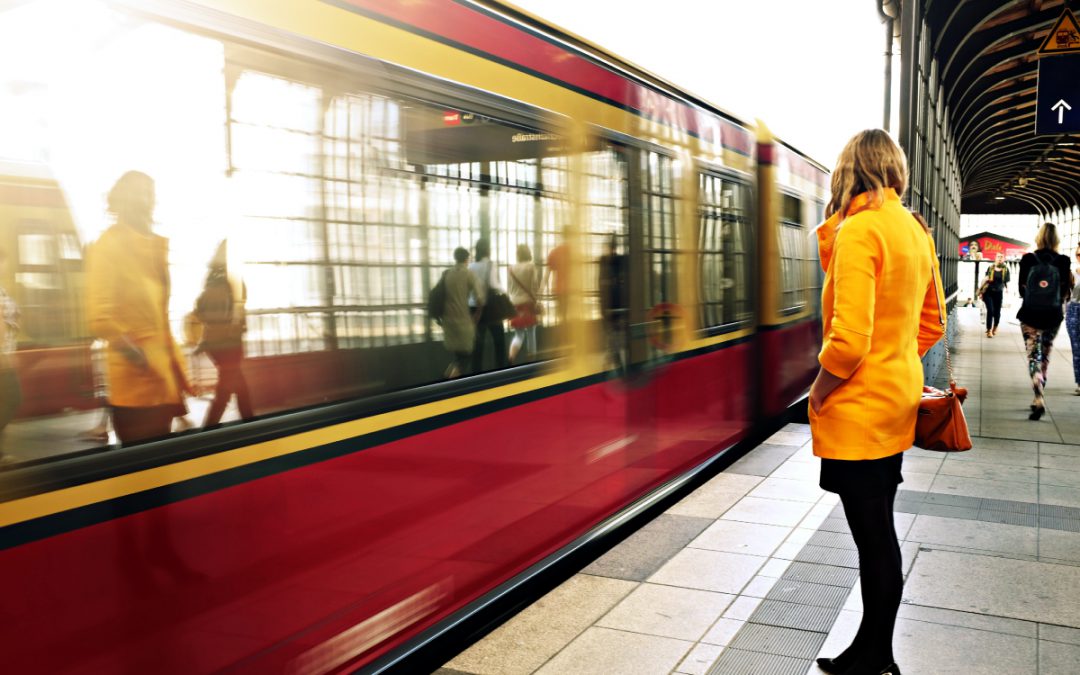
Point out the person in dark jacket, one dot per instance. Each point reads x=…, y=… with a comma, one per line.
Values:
x=220, y=309
x=1041, y=313
x=997, y=277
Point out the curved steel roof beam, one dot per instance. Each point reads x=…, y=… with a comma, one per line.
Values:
x=1007, y=149
x=992, y=97
x=978, y=41
x=1017, y=127
x=989, y=124
x=990, y=64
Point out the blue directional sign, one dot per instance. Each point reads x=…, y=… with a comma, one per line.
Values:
x=1058, y=100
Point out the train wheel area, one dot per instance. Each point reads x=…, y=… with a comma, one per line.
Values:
x=756, y=570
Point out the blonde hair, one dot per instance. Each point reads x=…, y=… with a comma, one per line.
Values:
x=1047, y=237
x=870, y=162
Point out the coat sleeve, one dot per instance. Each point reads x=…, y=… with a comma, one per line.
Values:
x=855, y=260
x=932, y=320
x=104, y=316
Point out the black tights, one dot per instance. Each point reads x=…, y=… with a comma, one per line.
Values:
x=881, y=578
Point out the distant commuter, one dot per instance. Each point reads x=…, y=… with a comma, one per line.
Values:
x=1045, y=285
x=997, y=277
x=523, y=288
x=489, y=322
x=614, y=302
x=127, y=275
x=558, y=263
x=881, y=280
x=10, y=391
x=458, y=317
x=220, y=310
x=1072, y=324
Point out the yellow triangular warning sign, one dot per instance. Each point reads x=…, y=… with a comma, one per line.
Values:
x=1064, y=37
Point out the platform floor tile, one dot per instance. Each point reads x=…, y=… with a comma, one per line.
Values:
x=527, y=641
x=603, y=650
x=667, y=611
x=646, y=551
x=1019, y=589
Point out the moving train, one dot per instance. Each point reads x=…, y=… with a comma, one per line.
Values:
x=345, y=148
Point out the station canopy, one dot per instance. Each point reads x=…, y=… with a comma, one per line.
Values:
x=988, y=54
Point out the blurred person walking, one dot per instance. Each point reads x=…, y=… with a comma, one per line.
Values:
x=1045, y=285
x=880, y=314
x=10, y=391
x=484, y=269
x=457, y=316
x=127, y=279
x=1072, y=324
x=220, y=309
x=997, y=277
x=523, y=289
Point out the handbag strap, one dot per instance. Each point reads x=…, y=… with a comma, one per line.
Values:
x=523, y=287
x=941, y=315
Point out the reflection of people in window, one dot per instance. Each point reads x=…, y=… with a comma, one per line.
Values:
x=458, y=317
x=10, y=392
x=127, y=282
x=555, y=274
x=220, y=309
x=614, y=301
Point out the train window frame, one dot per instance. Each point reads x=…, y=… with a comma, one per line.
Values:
x=744, y=181
x=798, y=232
x=291, y=55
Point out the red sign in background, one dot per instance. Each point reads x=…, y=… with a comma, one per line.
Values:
x=988, y=245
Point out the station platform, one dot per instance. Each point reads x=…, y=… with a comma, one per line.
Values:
x=756, y=572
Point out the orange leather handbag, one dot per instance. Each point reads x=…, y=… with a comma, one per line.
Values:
x=941, y=424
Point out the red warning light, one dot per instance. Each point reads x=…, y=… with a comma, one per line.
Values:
x=451, y=118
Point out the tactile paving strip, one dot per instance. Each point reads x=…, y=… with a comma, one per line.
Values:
x=740, y=662
x=821, y=574
x=806, y=593
x=800, y=644
x=832, y=540
x=790, y=615
x=985, y=509
x=824, y=555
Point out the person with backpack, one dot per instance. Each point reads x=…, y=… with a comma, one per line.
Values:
x=1045, y=285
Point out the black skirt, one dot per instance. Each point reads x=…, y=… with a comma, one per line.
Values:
x=863, y=478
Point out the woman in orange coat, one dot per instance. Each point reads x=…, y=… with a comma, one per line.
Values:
x=127, y=283
x=880, y=317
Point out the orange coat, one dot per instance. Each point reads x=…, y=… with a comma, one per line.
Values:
x=880, y=317
x=127, y=281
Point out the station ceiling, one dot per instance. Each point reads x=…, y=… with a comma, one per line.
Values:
x=987, y=54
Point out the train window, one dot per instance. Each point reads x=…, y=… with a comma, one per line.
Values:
x=606, y=224
x=323, y=208
x=795, y=257
x=658, y=206
x=724, y=240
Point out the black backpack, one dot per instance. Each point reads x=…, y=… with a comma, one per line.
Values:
x=1042, y=290
x=436, y=303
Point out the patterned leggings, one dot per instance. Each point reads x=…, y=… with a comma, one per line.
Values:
x=1038, y=343
x=1072, y=324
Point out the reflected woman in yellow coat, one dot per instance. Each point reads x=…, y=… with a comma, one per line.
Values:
x=128, y=306
x=880, y=316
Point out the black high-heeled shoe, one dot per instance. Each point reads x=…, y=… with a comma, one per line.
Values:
x=1036, y=412
x=831, y=665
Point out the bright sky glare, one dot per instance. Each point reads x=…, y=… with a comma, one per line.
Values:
x=812, y=71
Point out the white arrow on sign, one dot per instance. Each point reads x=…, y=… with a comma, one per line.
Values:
x=1061, y=106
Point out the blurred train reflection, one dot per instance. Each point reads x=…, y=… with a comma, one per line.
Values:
x=319, y=320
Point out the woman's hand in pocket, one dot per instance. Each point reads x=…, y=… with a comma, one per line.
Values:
x=824, y=384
